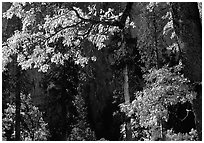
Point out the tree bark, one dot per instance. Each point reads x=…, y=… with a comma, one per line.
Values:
x=126, y=85
x=127, y=101
x=17, y=125
x=155, y=40
x=187, y=24
x=17, y=98
x=7, y=30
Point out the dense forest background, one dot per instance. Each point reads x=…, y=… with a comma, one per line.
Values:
x=101, y=71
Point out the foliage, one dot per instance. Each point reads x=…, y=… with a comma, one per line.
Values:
x=159, y=40
x=51, y=22
x=82, y=134
x=191, y=136
x=81, y=131
x=33, y=126
x=92, y=36
x=164, y=87
x=60, y=85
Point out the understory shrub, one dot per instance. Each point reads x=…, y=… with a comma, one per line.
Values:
x=149, y=110
x=33, y=127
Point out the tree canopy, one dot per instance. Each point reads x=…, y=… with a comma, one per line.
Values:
x=99, y=70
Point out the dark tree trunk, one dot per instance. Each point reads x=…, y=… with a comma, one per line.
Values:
x=17, y=125
x=8, y=27
x=17, y=99
x=155, y=40
x=187, y=24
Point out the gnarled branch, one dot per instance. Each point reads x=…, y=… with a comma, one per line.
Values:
x=120, y=23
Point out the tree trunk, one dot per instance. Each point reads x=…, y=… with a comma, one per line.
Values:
x=17, y=125
x=126, y=85
x=187, y=24
x=17, y=98
x=127, y=101
x=155, y=40
x=7, y=30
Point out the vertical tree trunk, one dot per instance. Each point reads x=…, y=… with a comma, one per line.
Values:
x=7, y=30
x=17, y=98
x=127, y=101
x=155, y=40
x=187, y=24
x=17, y=125
x=126, y=85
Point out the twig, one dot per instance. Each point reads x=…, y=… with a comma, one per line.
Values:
x=69, y=26
x=120, y=23
x=114, y=23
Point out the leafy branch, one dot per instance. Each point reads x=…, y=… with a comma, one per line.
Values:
x=120, y=23
x=69, y=26
x=87, y=31
x=112, y=23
